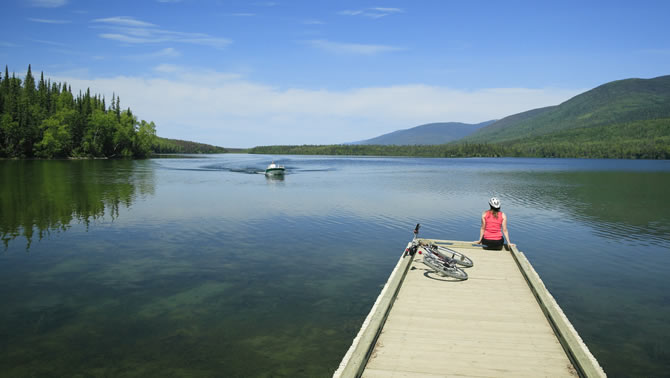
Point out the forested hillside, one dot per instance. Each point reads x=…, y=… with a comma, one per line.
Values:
x=559, y=147
x=45, y=120
x=627, y=119
x=176, y=146
x=432, y=133
x=615, y=104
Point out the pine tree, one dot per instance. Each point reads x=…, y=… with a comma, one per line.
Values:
x=43, y=93
x=48, y=121
x=118, y=108
x=2, y=100
x=4, y=90
x=29, y=85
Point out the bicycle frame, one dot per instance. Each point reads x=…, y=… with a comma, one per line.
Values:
x=442, y=264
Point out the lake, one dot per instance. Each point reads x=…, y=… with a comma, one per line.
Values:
x=202, y=266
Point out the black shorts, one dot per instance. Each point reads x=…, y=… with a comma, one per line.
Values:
x=493, y=244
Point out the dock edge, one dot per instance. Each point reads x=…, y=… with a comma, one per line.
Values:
x=356, y=358
x=572, y=343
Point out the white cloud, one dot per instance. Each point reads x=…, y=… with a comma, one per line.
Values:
x=124, y=21
x=200, y=77
x=351, y=12
x=46, y=3
x=125, y=38
x=388, y=10
x=224, y=109
x=166, y=68
x=377, y=12
x=46, y=21
x=168, y=52
x=202, y=39
x=351, y=48
x=132, y=31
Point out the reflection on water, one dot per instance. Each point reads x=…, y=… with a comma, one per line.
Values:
x=46, y=196
x=197, y=267
x=273, y=179
x=624, y=205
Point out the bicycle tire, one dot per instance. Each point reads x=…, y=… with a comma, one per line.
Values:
x=458, y=257
x=444, y=269
x=454, y=272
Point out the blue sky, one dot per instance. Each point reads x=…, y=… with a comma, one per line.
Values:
x=247, y=73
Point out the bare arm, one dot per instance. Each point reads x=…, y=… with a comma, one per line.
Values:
x=504, y=229
x=481, y=230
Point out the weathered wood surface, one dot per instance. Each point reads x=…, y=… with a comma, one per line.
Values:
x=488, y=326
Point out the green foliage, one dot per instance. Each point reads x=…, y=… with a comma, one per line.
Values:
x=175, y=146
x=633, y=140
x=611, y=104
x=145, y=138
x=9, y=135
x=45, y=120
x=55, y=140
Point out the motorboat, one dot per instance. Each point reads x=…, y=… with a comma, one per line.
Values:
x=274, y=170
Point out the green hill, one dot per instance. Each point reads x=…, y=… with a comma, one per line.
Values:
x=628, y=119
x=176, y=146
x=432, y=133
x=615, y=105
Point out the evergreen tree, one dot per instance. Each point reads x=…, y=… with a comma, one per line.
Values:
x=118, y=108
x=47, y=121
x=2, y=94
x=29, y=85
x=43, y=93
x=5, y=83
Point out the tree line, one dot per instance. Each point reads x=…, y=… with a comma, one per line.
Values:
x=642, y=139
x=177, y=146
x=577, y=143
x=593, y=150
x=45, y=120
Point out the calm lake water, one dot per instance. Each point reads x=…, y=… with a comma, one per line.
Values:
x=202, y=266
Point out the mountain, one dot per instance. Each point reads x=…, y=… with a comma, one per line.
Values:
x=624, y=119
x=623, y=109
x=432, y=133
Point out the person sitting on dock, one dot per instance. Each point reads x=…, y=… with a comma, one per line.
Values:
x=493, y=220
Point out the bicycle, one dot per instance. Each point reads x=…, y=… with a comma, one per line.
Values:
x=435, y=258
x=457, y=257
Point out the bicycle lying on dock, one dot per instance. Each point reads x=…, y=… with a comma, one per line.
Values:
x=441, y=259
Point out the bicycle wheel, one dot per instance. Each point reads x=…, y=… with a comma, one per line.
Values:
x=458, y=257
x=443, y=268
x=454, y=272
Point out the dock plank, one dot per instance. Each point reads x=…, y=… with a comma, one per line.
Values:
x=487, y=326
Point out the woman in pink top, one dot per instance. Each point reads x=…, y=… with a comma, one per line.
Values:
x=493, y=221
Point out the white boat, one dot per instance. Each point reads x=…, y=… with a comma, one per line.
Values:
x=274, y=170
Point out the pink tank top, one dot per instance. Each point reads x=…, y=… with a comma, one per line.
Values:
x=492, y=229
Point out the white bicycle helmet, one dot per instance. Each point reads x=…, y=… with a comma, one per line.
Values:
x=495, y=203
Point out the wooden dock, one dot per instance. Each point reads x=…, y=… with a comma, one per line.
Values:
x=502, y=321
